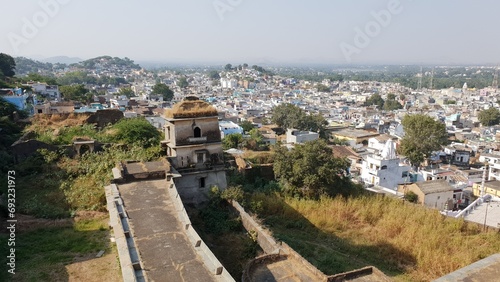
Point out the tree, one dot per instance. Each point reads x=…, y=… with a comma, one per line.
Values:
x=489, y=117
x=7, y=65
x=182, y=83
x=232, y=140
x=246, y=125
x=75, y=92
x=411, y=197
x=39, y=78
x=228, y=67
x=255, y=141
x=164, y=90
x=375, y=99
x=314, y=123
x=137, y=131
x=422, y=136
x=287, y=116
x=291, y=116
x=391, y=104
x=126, y=91
x=311, y=170
x=213, y=74
x=322, y=88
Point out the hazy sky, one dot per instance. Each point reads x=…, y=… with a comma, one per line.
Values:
x=256, y=31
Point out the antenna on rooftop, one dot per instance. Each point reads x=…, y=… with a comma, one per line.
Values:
x=419, y=83
x=494, y=84
x=432, y=79
x=483, y=179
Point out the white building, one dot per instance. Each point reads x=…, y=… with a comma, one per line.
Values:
x=385, y=170
x=49, y=91
x=228, y=83
x=294, y=136
x=493, y=163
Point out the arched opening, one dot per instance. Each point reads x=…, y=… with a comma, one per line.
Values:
x=84, y=149
x=197, y=132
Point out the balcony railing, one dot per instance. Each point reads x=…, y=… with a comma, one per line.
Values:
x=201, y=167
x=197, y=139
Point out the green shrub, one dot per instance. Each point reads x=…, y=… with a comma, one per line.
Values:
x=136, y=131
x=410, y=196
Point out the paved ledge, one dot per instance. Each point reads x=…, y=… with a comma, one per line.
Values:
x=162, y=243
x=487, y=269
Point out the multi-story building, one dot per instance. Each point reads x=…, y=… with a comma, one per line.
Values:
x=385, y=169
x=194, y=148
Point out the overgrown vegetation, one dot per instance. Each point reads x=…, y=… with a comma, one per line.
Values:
x=405, y=241
x=60, y=130
x=220, y=227
x=41, y=255
x=51, y=184
x=64, y=185
x=310, y=170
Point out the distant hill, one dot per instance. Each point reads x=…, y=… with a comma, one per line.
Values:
x=25, y=65
x=107, y=62
x=62, y=60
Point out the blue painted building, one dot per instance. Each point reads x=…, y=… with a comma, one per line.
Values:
x=229, y=127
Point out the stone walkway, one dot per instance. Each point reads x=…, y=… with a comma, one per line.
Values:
x=164, y=248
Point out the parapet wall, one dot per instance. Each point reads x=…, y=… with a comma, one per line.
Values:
x=265, y=240
x=252, y=265
x=127, y=253
x=280, y=250
x=208, y=258
x=287, y=250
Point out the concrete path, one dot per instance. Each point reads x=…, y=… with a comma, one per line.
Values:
x=164, y=249
x=287, y=270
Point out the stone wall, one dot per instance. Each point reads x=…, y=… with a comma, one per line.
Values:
x=25, y=149
x=183, y=129
x=253, y=264
x=190, y=189
x=127, y=253
x=206, y=255
x=287, y=250
x=105, y=117
x=280, y=250
x=265, y=240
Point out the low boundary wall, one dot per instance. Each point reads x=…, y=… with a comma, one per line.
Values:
x=206, y=255
x=118, y=220
x=280, y=250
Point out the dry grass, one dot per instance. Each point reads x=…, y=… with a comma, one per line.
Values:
x=191, y=108
x=258, y=157
x=55, y=121
x=419, y=243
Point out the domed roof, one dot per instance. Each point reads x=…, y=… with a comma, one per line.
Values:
x=191, y=107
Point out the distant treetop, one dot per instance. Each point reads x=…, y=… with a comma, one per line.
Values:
x=108, y=61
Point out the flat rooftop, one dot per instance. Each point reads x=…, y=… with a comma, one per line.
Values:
x=489, y=211
x=354, y=133
x=132, y=168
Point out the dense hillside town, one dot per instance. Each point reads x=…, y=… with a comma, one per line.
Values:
x=423, y=135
